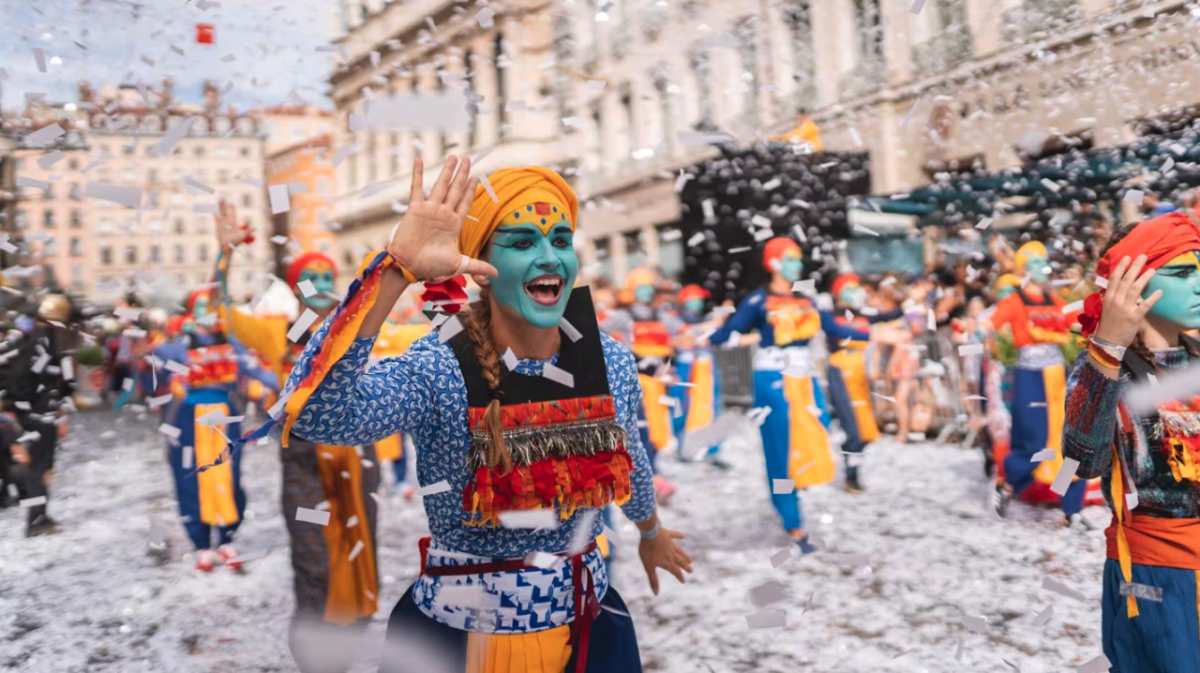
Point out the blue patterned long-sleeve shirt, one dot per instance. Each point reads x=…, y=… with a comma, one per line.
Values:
x=422, y=393
x=1091, y=428
x=754, y=314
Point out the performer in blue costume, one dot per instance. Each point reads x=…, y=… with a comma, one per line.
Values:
x=520, y=407
x=795, y=440
x=206, y=466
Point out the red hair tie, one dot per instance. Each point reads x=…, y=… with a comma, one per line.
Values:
x=447, y=295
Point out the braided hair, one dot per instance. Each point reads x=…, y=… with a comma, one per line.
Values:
x=1138, y=346
x=478, y=324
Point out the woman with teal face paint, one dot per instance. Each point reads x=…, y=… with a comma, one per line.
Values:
x=335, y=580
x=1035, y=316
x=519, y=407
x=1146, y=451
x=795, y=439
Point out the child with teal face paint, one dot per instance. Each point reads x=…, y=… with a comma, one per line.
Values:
x=699, y=402
x=1145, y=452
x=519, y=404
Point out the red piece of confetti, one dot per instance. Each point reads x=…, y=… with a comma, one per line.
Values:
x=204, y=33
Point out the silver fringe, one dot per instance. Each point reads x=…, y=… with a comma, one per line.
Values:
x=531, y=444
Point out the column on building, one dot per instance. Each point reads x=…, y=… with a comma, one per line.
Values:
x=826, y=16
x=897, y=48
x=402, y=85
x=454, y=70
x=984, y=17
x=427, y=83
x=484, y=82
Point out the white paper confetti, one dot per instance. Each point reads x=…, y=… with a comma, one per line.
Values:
x=449, y=329
x=280, y=202
x=696, y=239
x=532, y=518
x=32, y=183
x=306, y=515
x=975, y=624
x=1134, y=196
x=306, y=287
x=26, y=503
x=1051, y=584
x=1141, y=591
x=569, y=329
x=772, y=618
x=44, y=135
x=805, y=286
x=1100, y=664
x=1044, y=455
x=434, y=489
x=558, y=375
x=1065, y=474
x=783, y=556
x=782, y=486
x=540, y=559
x=1073, y=307
x=170, y=431
x=581, y=536
x=358, y=547
x=187, y=458
x=510, y=360
x=301, y=325
x=917, y=6
x=1044, y=616
x=967, y=350
x=130, y=197
x=50, y=159
x=1131, y=501
x=767, y=594
x=161, y=400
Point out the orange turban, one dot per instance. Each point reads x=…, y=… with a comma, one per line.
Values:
x=777, y=248
x=842, y=281
x=639, y=277
x=520, y=192
x=693, y=292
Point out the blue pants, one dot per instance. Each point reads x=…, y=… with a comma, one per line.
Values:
x=1030, y=433
x=417, y=644
x=1163, y=638
x=679, y=417
x=843, y=406
x=187, y=489
x=776, y=441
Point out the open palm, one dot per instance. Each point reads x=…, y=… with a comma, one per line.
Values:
x=426, y=240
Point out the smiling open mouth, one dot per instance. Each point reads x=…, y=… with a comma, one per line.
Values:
x=546, y=290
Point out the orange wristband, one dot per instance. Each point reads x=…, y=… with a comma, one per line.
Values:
x=1103, y=357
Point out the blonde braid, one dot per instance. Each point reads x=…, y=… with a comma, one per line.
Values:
x=478, y=324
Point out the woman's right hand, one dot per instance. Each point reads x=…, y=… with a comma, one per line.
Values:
x=1123, y=307
x=425, y=242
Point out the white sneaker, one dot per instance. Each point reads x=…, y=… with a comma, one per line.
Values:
x=206, y=559
x=228, y=553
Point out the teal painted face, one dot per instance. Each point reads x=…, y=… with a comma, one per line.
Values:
x=1005, y=291
x=323, y=282
x=694, y=306
x=791, y=265
x=536, y=271
x=1038, y=268
x=199, y=309
x=644, y=293
x=1179, y=280
x=853, y=296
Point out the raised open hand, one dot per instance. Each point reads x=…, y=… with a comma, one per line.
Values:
x=231, y=233
x=1124, y=307
x=426, y=240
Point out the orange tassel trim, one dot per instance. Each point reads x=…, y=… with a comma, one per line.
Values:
x=567, y=483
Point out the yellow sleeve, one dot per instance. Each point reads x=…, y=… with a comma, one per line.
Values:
x=394, y=340
x=266, y=336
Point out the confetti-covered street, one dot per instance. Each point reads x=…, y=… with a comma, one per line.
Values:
x=915, y=577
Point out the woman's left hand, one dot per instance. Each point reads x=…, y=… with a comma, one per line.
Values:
x=662, y=552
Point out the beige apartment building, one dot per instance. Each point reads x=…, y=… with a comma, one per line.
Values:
x=100, y=249
x=614, y=92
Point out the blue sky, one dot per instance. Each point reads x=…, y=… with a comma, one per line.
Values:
x=273, y=44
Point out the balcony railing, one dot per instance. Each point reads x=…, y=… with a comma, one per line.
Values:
x=867, y=76
x=946, y=50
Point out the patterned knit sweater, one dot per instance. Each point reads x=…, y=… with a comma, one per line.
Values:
x=1091, y=428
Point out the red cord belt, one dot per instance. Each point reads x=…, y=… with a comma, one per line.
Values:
x=582, y=582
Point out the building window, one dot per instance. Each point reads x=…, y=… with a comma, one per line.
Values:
x=155, y=199
x=152, y=176
x=51, y=247
x=76, y=247
x=76, y=220
x=178, y=225
x=48, y=218
x=670, y=252
x=202, y=253
x=179, y=254
x=77, y=275
x=73, y=164
x=130, y=254
x=106, y=226
x=222, y=176
x=635, y=251
x=155, y=254
x=245, y=152
x=604, y=257
x=106, y=255
x=22, y=219
x=198, y=152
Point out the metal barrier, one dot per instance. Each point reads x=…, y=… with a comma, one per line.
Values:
x=736, y=369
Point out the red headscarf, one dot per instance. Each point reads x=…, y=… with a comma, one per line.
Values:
x=842, y=281
x=776, y=248
x=693, y=292
x=208, y=295
x=306, y=260
x=1160, y=239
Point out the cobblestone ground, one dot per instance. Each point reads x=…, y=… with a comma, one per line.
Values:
x=907, y=568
